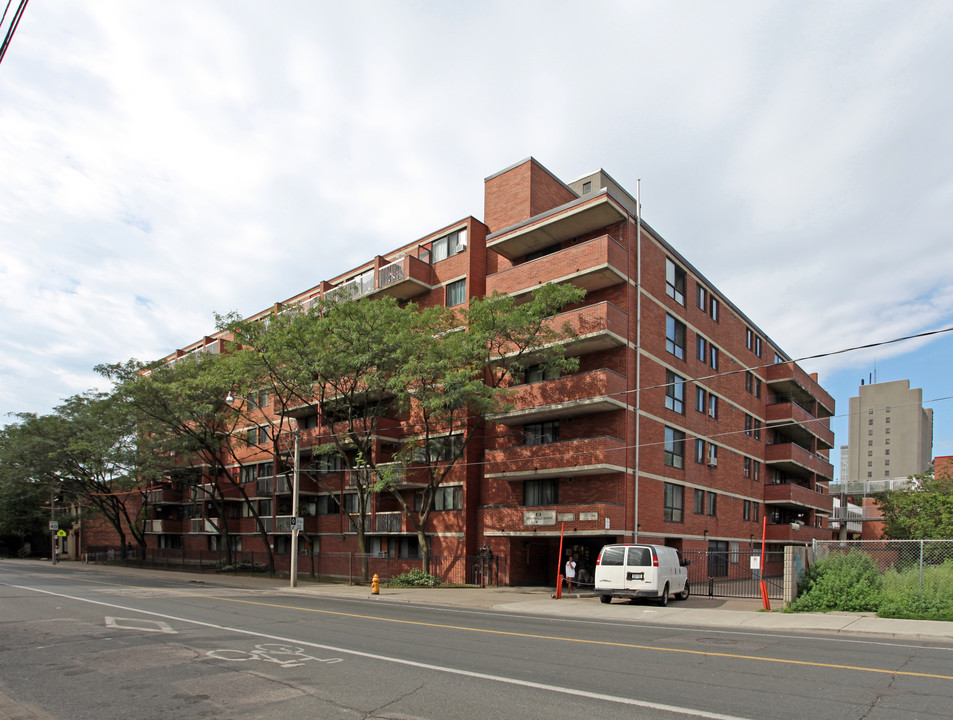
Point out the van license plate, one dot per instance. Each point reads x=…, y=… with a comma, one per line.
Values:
x=636, y=576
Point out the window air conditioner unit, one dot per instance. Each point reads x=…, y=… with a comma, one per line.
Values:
x=712, y=462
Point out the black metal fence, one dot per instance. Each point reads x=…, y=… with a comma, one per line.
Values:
x=735, y=574
x=477, y=570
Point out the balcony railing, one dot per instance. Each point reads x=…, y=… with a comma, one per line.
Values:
x=788, y=379
x=586, y=456
x=592, y=265
x=792, y=420
x=573, y=219
x=794, y=495
x=202, y=525
x=389, y=522
x=582, y=394
x=796, y=461
x=796, y=533
x=404, y=278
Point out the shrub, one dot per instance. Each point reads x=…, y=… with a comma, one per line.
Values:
x=849, y=583
x=903, y=597
x=414, y=578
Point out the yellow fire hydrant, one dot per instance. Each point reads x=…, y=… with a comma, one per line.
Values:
x=376, y=585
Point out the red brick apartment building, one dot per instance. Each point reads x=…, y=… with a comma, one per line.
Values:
x=684, y=425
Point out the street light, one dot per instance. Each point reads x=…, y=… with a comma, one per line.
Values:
x=295, y=492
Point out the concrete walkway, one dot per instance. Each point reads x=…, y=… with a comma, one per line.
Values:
x=720, y=613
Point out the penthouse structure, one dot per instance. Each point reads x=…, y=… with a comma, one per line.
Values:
x=684, y=425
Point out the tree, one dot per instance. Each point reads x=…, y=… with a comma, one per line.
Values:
x=923, y=511
x=185, y=424
x=26, y=479
x=98, y=460
x=339, y=361
x=454, y=370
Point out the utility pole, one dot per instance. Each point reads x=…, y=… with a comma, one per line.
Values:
x=53, y=526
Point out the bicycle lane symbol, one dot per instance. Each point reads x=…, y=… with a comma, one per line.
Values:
x=285, y=656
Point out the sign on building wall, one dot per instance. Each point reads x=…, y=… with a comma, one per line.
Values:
x=539, y=517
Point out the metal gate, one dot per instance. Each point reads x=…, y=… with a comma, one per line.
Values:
x=726, y=573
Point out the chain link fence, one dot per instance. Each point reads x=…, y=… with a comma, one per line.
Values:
x=899, y=555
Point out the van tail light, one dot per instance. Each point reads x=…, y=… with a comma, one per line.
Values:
x=654, y=560
x=598, y=559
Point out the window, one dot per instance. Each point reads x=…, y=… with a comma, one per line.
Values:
x=778, y=359
x=456, y=292
x=350, y=503
x=449, y=245
x=448, y=498
x=712, y=454
x=747, y=467
x=701, y=297
x=674, y=392
x=712, y=406
x=328, y=505
x=749, y=423
x=749, y=338
x=675, y=337
x=712, y=504
x=756, y=471
x=324, y=464
x=699, y=502
x=715, y=305
x=587, y=187
x=674, y=282
x=701, y=348
x=699, y=450
x=539, y=373
x=674, y=447
x=757, y=429
x=757, y=346
x=747, y=510
x=541, y=433
x=755, y=512
x=714, y=358
x=442, y=449
x=700, y=404
x=673, y=503
x=541, y=492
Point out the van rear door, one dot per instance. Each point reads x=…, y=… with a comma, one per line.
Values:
x=640, y=571
x=610, y=568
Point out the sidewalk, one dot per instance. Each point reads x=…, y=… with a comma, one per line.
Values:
x=721, y=613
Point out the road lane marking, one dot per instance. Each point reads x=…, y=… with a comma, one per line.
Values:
x=706, y=715
x=285, y=656
x=581, y=641
x=139, y=624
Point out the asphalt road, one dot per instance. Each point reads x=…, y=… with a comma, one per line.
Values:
x=77, y=645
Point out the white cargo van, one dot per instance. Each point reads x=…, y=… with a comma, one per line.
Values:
x=641, y=571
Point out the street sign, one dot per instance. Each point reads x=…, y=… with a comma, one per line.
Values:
x=61, y=533
x=297, y=523
x=54, y=525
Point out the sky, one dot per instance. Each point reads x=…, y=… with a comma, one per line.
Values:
x=163, y=162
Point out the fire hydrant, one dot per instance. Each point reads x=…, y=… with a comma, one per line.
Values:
x=376, y=585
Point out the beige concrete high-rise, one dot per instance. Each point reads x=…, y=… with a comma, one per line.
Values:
x=890, y=433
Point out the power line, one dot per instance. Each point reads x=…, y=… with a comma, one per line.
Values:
x=12, y=27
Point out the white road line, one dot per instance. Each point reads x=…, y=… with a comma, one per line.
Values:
x=409, y=663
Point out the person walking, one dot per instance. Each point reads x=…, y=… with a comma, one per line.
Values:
x=570, y=572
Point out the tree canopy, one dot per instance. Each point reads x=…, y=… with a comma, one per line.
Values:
x=922, y=511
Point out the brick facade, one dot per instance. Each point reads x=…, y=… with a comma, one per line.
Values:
x=610, y=456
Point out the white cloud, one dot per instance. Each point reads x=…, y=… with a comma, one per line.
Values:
x=160, y=166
